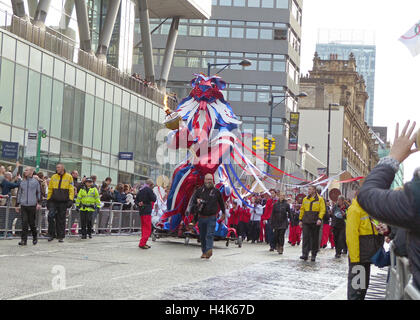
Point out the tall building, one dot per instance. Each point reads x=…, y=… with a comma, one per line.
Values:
x=342, y=44
x=51, y=78
x=353, y=151
x=265, y=32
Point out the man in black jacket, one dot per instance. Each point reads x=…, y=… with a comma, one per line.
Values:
x=338, y=224
x=144, y=200
x=279, y=222
x=399, y=208
x=208, y=201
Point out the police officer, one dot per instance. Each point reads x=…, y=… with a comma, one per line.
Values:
x=310, y=219
x=87, y=201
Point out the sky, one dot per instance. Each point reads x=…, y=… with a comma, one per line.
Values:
x=397, y=79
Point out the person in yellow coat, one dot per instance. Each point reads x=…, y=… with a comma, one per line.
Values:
x=363, y=241
x=87, y=202
x=311, y=213
x=59, y=199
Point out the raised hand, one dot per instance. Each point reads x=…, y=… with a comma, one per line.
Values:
x=403, y=143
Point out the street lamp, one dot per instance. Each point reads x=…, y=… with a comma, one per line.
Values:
x=272, y=106
x=329, y=133
x=243, y=63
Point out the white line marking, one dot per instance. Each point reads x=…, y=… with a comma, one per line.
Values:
x=45, y=292
x=135, y=274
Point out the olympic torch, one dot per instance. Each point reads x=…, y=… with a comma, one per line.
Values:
x=172, y=120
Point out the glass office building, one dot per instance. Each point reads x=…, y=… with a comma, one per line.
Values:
x=88, y=118
x=365, y=56
x=265, y=32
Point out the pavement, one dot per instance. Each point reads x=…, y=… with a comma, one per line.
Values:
x=113, y=267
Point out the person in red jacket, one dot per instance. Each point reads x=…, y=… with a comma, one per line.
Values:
x=234, y=215
x=266, y=232
x=243, y=225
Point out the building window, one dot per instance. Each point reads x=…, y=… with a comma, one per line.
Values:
x=195, y=31
x=264, y=65
x=249, y=96
x=266, y=34
x=209, y=31
x=267, y=3
x=283, y=4
x=235, y=95
x=223, y=32
x=225, y=2
x=254, y=3
x=238, y=33
x=239, y=3
x=252, y=33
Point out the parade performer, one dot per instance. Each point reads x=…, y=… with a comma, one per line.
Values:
x=206, y=131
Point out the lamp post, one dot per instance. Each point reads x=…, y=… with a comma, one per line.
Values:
x=328, y=143
x=244, y=63
x=270, y=128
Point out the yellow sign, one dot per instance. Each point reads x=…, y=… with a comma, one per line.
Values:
x=260, y=143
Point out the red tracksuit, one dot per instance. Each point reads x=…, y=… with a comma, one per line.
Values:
x=265, y=217
x=233, y=220
x=295, y=231
x=243, y=225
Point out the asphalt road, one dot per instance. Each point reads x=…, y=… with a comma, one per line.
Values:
x=113, y=267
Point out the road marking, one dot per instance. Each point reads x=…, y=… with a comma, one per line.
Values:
x=44, y=292
x=136, y=274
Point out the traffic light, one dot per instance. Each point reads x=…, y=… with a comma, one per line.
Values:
x=44, y=133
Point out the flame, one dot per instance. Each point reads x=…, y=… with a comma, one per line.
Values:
x=165, y=103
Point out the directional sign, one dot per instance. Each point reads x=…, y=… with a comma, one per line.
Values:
x=125, y=156
x=10, y=150
x=31, y=146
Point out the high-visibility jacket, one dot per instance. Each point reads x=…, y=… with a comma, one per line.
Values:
x=312, y=205
x=88, y=199
x=358, y=224
x=61, y=188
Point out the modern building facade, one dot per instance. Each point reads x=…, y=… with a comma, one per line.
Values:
x=266, y=32
x=365, y=55
x=91, y=110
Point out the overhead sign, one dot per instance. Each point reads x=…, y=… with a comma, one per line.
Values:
x=10, y=150
x=125, y=156
x=293, y=130
x=32, y=145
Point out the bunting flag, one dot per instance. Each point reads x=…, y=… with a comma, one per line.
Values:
x=411, y=39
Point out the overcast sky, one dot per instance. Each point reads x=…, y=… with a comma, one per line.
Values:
x=397, y=83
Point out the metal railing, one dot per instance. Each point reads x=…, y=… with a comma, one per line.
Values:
x=112, y=218
x=400, y=283
x=67, y=48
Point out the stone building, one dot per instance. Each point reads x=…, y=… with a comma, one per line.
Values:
x=353, y=149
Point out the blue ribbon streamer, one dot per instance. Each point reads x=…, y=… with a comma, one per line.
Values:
x=236, y=191
x=239, y=180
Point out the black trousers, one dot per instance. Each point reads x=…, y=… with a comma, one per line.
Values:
x=279, y=237
x=339, y=239
x=310, y=235
x=28, y=219
x=57, y=220
x=243, y=229
x=357, y=287
x=86, y=222
x=254, y=230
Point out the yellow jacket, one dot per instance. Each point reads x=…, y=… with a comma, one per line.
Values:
x=317, y=206
x=358, y=224
x=61, y=188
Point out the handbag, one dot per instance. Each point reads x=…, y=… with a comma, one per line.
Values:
x=371, y=244
x=381, y=258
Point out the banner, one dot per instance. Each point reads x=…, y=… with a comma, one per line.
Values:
x=32, y=144
x=411, y=39
x=293, y=131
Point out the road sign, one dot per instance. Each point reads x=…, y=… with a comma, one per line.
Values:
x=10, y=150
x=125, y=156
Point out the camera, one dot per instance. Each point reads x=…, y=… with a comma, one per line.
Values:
x=201, y=206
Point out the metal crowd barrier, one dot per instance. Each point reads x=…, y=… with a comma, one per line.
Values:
x=400, y=284
x=111, y=219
